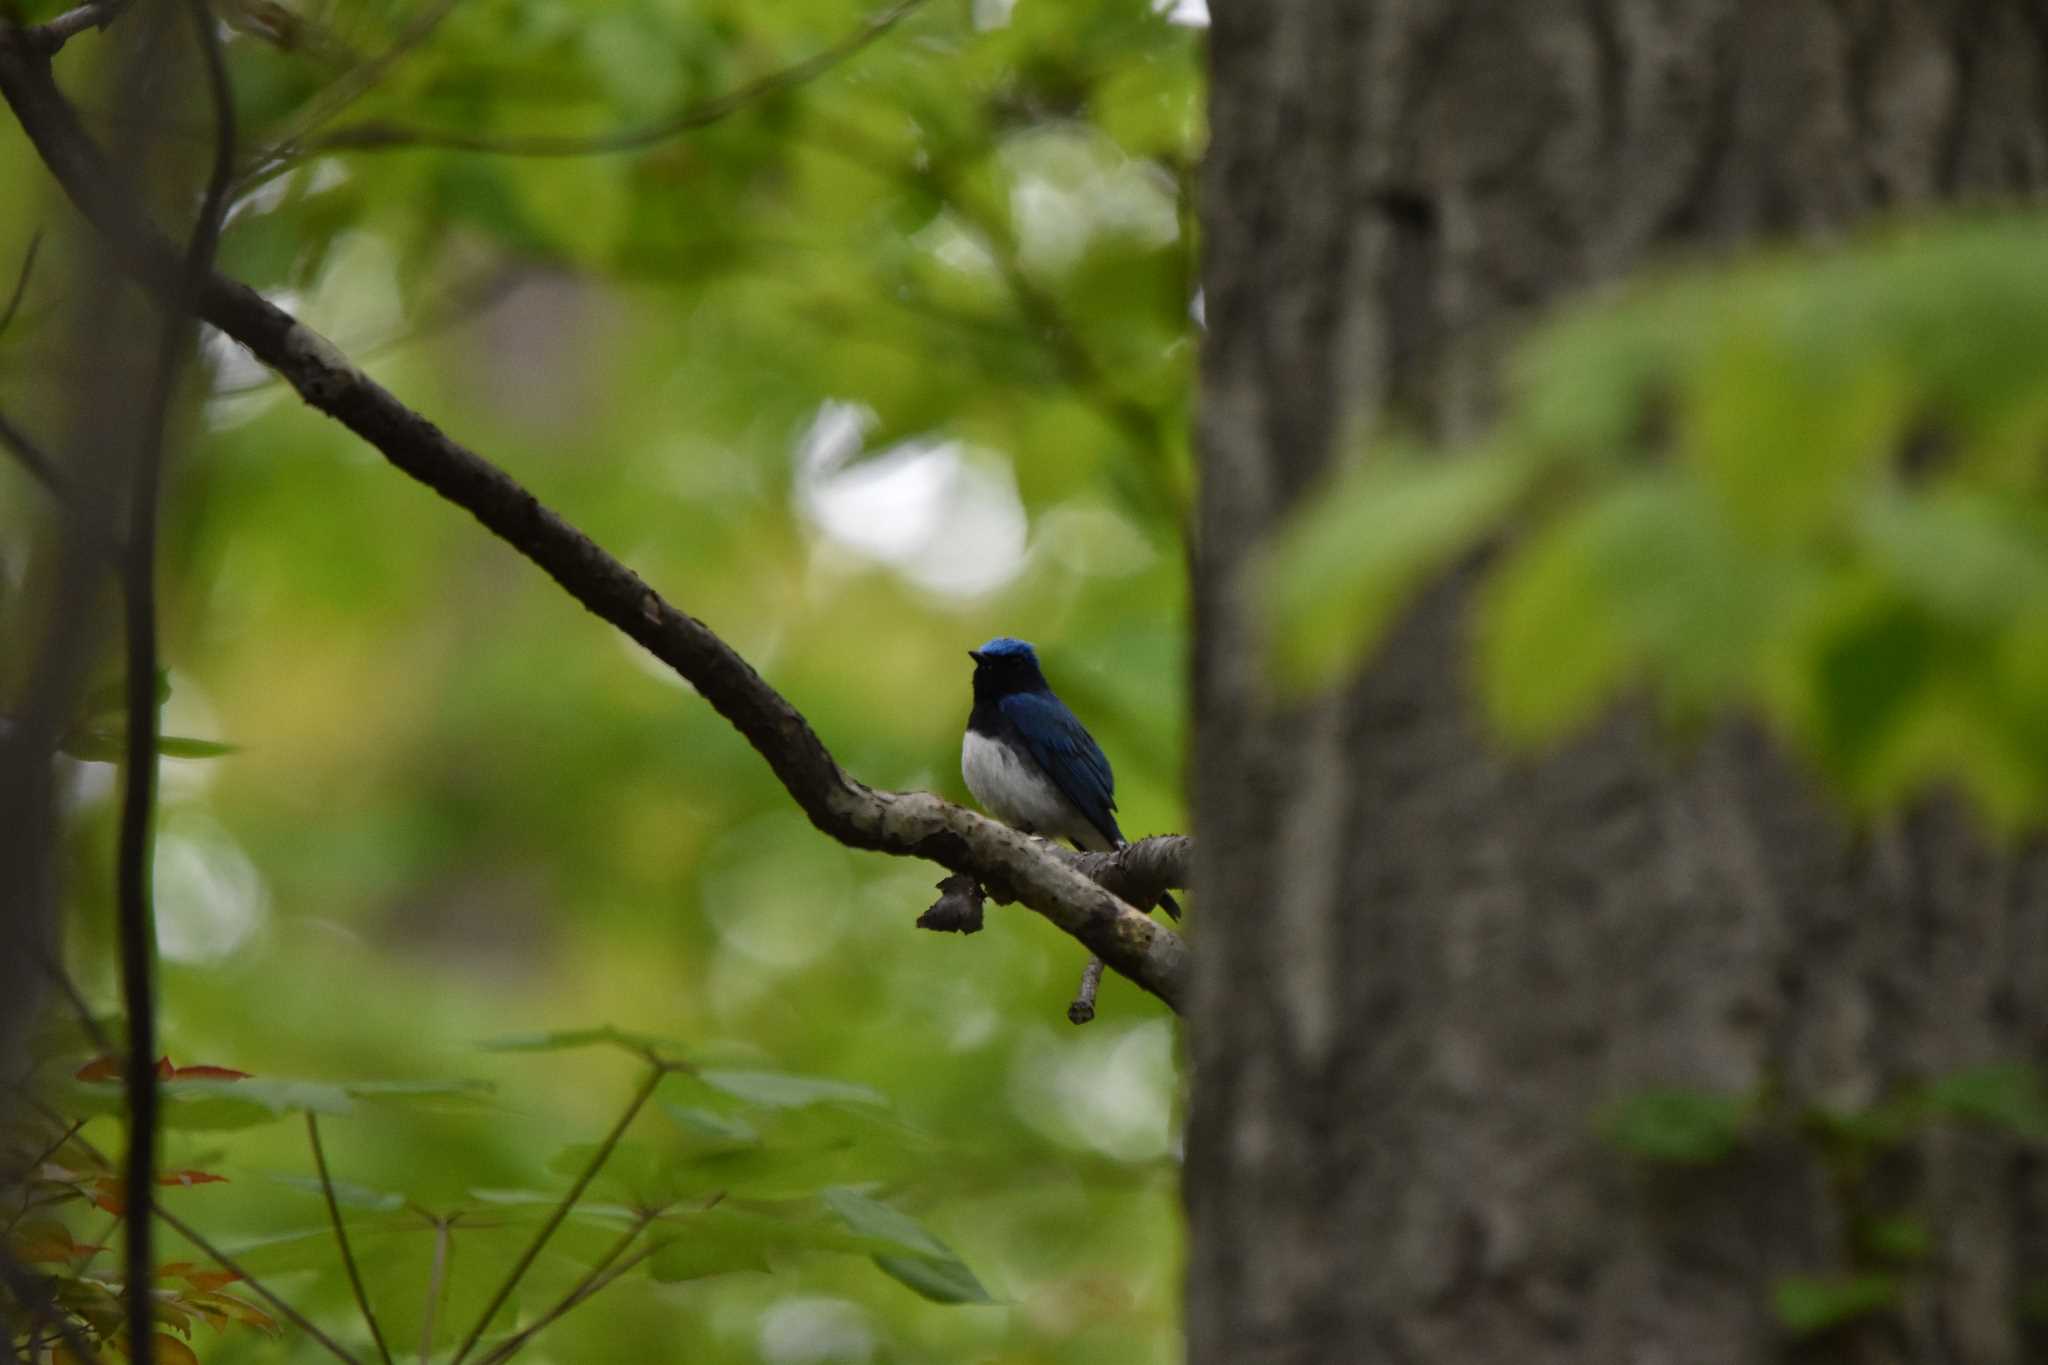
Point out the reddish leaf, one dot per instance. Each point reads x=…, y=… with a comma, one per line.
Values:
x=108, y=1194
x=199, y=1277
x=172, y=1351
x=189, y=1178
x=241, y=1311
x=112, y=1067
x=45, y=1240
x=174, y=1316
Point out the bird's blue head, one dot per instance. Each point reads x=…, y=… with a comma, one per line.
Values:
x=1005, y=665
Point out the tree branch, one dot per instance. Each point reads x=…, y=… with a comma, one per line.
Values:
x=1011, y=865
x=135, y=911
x=48, y=38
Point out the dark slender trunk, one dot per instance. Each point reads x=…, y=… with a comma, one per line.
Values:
x=1426, y=968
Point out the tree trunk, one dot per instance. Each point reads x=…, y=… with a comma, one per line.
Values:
x=1426, y=968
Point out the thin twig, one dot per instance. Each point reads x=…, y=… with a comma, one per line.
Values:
x=32, y=457
x=655, y=1072
x=592, y=1279
x=581, y=1294
x=51, y=36
x=435, y=1279
x=133, y=869
x=28, y=267
x=379, y=136
x=256, y=1286
x=343, y=91
x=1083, y=1008
x=70, y=1131
x=348, y=1260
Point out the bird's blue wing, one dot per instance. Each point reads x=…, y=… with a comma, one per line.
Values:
x=1069, y=754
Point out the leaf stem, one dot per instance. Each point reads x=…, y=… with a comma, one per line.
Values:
x=656, y=1071
x=435, y=1279
x=593, y=1280
x=348, y=1260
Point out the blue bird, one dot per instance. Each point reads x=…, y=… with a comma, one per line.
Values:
x=1030, y=762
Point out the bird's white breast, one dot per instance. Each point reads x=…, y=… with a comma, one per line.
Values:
x=1017, y=792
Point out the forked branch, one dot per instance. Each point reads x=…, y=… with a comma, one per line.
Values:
x=915, y=824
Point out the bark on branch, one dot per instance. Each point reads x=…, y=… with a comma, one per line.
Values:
x=915, y=824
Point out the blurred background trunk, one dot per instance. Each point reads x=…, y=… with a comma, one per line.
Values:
x=1427, y=969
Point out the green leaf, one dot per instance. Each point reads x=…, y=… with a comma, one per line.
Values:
x=2006, y=1095
x=346, y=1194
x=455, y=1094
x=1680, y=1127
x=872, y=1219
x=1647, y=583
x=207, y=1105
x=711, y=1124
x=177, y=746
x=920, y=1260
x=782, y=1090
x=561, y=1040
x=728, y=1237
x=240, y=1104
x=944, y=1280
x=1781, y=431
x=1903, y=1240
x=110, y=698
x=1337, y=576
x=111, y=746
x=593, y=1209
x=1551, y=649
x=1810, y=1304
x=1867, y=678
x=1968, y=558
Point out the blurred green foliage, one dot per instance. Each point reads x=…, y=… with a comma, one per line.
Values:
x=1813, y=486
x=861, y=374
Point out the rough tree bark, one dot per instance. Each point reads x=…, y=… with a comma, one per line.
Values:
x=1426, y=967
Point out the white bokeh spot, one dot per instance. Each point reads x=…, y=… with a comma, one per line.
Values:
x=943, y=514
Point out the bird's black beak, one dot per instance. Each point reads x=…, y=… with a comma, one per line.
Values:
x=974, y=654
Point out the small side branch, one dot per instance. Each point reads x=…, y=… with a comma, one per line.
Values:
x=1083, y=1008
x=50, y=37
x=28, y=270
